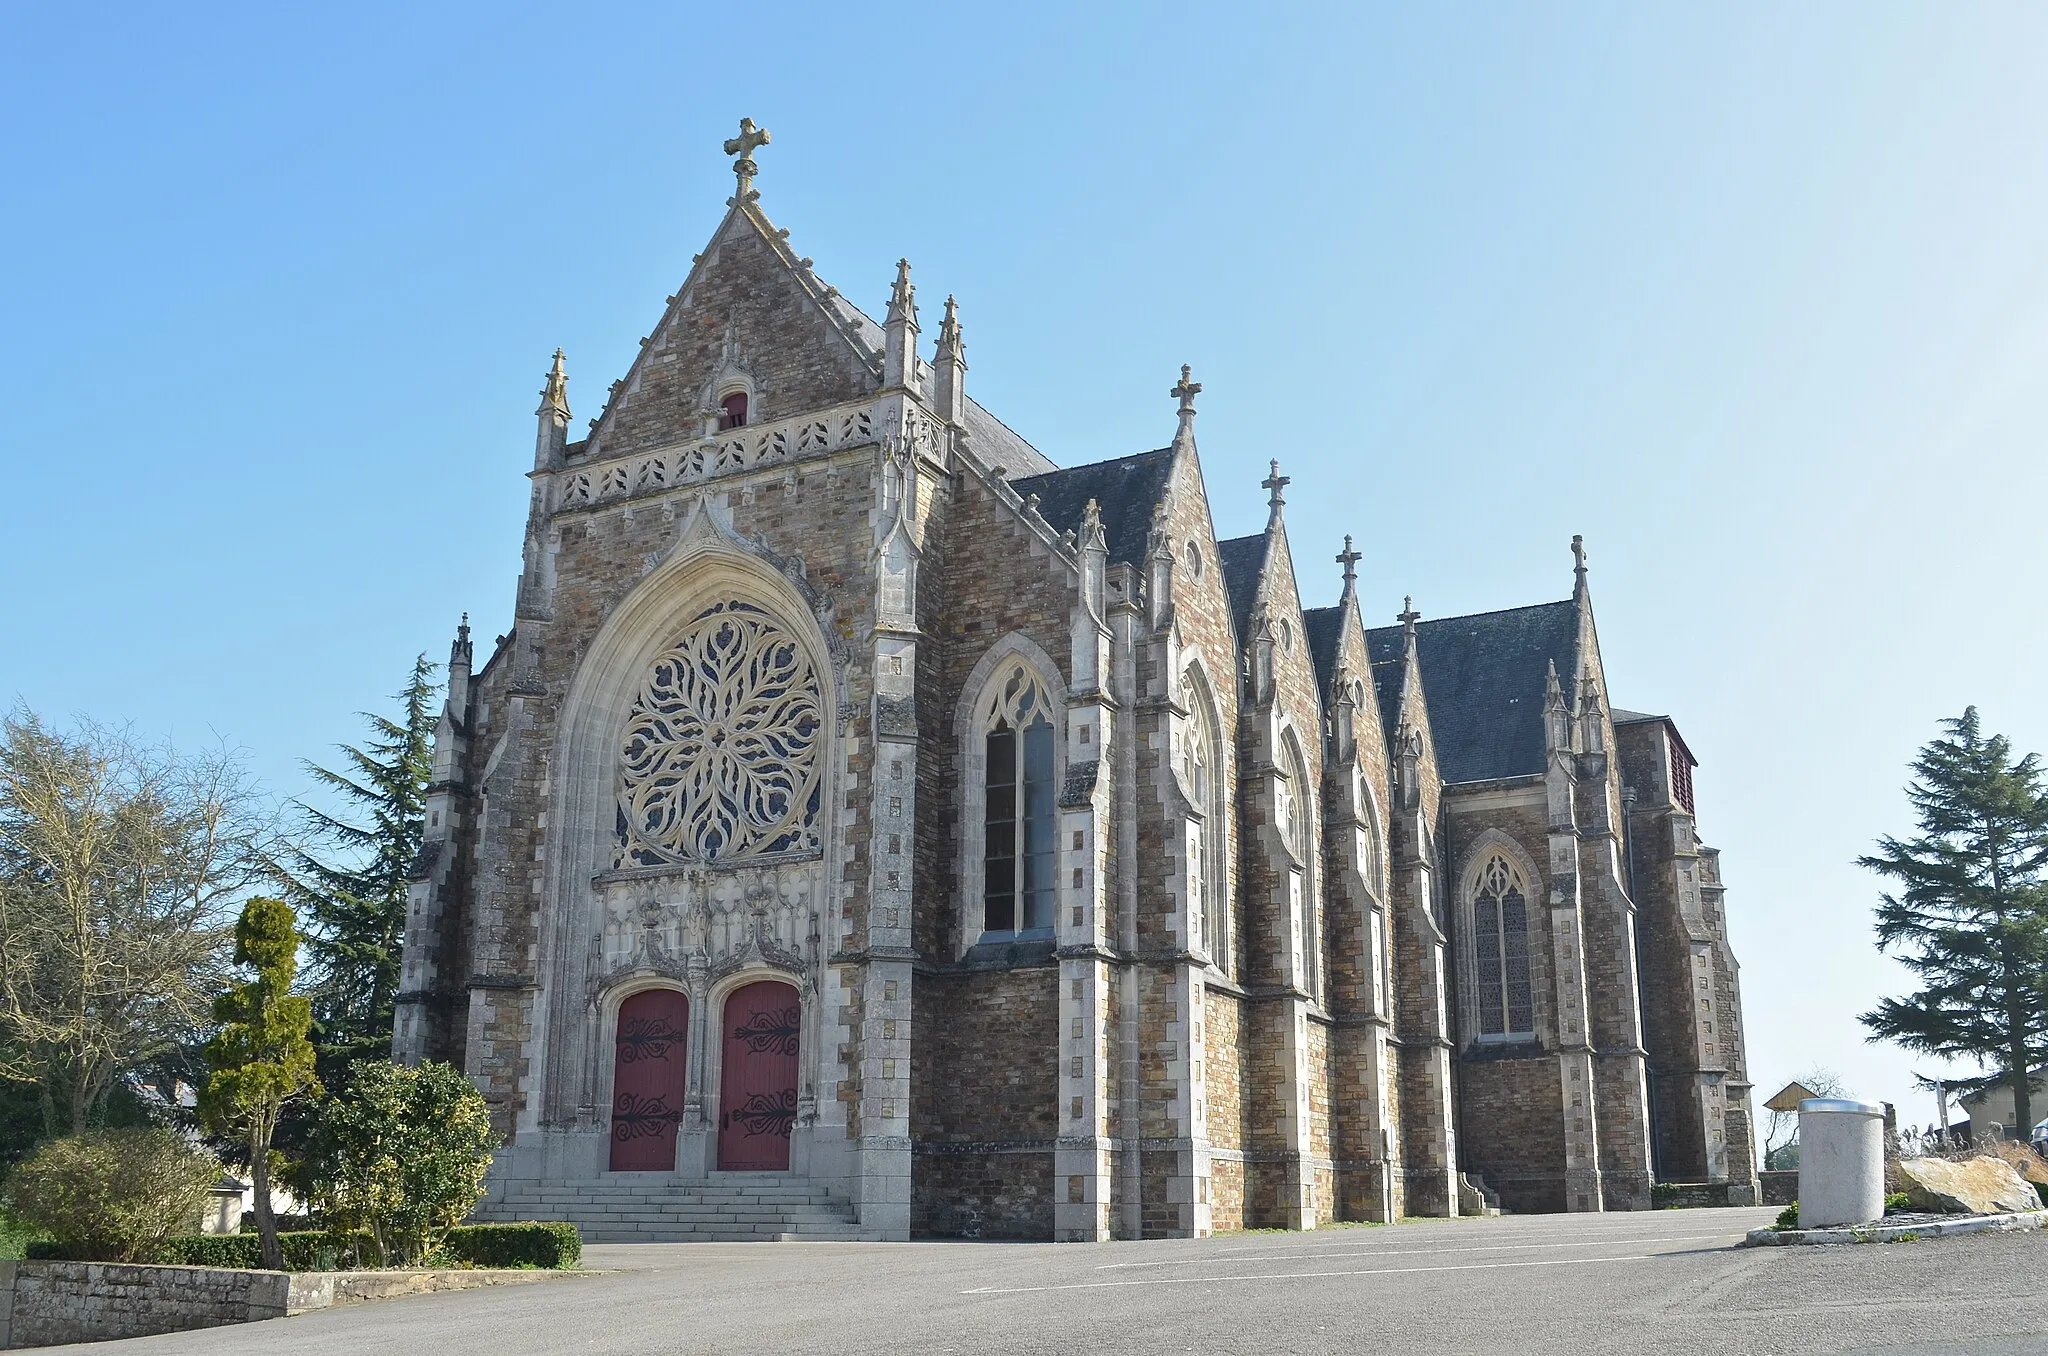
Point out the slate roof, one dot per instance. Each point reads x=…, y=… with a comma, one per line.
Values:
x=1386, y=683
x=1322, y=628
x=1484, y=678
x=1243, y=560
x=1125, y=492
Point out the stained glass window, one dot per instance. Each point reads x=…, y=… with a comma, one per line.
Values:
x=1018, y=867
x=1500, y=949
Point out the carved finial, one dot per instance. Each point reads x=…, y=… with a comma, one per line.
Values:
x=903, y=296
x=951, y=349
x=899, y=331
x=460, y=653
x=1273, y=485
x=1579, y=562
x=1349, y=559
x=554, y=396
x=1408, y=616
x=1091, y=520
x=1185, y=391
x=750, y=139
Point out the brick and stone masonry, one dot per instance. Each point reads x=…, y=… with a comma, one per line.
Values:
x=1114, y=892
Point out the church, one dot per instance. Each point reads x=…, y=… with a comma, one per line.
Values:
x=869, y=827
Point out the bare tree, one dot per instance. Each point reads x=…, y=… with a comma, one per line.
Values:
x=1781, y=1128
x=120, y=868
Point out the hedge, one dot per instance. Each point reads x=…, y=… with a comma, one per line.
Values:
x=545, y=1245
x=551, y=1245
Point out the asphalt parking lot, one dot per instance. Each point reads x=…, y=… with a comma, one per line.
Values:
x=1665, y=1281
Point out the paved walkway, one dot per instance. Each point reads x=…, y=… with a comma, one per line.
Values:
x=1665, y=1281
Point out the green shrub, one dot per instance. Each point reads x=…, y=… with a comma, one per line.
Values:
x=306, y=1250
x=1788, y=1218
x=111, y=1195
x=15, y=1237
x=550, y=1245
x=1897, y=1202
x=544, y=1245
x=401, y=1154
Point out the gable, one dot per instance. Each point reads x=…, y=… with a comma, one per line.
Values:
x=1484, y=680
x=799, y=344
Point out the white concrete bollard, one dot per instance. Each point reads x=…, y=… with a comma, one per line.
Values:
x=1841, y=1162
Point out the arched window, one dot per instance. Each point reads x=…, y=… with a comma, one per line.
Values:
x=1500, y=949
x=732, y=410
x=1018, y=869
x=1201, y=779
x=1294, y=816
x=1371, y=847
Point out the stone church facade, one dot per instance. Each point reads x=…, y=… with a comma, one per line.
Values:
x=860, y=798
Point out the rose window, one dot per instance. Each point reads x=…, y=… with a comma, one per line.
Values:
x=721, y=749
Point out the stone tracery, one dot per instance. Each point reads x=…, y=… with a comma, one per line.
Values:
x=720, y=758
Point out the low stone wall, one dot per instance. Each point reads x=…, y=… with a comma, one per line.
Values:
x=44, y=1303
x=1780, y=1188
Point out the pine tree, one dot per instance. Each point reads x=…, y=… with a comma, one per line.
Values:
x=350, y=879
x=260, y=1055
x=1970, y=917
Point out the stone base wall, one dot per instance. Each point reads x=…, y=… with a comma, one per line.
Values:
x=1226, y=1194
x=46, y=1303
x=968, y=1191
x=1778, y=1188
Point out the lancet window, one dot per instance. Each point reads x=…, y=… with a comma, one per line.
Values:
x=1018, y=846
x=1293, y=815
x=721, y=754
x=1500, y=946
x=1200, y=779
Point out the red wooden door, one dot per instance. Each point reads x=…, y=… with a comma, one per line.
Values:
x=757, y=1086
x=647, y=1080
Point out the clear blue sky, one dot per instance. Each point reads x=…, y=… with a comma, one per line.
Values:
x=1753, y=296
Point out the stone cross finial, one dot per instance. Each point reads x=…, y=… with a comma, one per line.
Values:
x=1579, y=560
x=1349, y=559
x=1408, y=616
x=1185, y=391
x=1273, y=485
x=744, y=145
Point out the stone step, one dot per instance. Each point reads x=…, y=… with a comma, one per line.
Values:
x=661, y=1208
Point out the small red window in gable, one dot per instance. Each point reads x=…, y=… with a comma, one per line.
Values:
x=733, y=410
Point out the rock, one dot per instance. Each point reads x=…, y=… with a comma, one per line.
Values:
x=1979, y=1186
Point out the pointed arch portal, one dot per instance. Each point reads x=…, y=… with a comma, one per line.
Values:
x=647, y=1080
x=763, y=1027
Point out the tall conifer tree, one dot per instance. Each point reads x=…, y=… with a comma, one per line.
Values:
x=351, y=876
x=259, y=1055
x=1970, y=917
